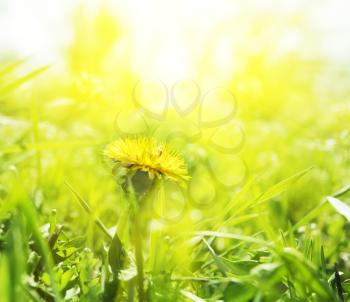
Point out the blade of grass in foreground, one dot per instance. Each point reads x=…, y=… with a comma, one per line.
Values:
x=87, y=208
x=342, y=191
x=18, y=82
x=233, y=236
x=341, y=207
x=281, y=186
x=116, y=252
x=22, y=204
x=239, y=202
x=11, y=67
x=27, y=209
x=306, y=273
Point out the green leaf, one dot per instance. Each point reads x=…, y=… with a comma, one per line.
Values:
x=11, y=67
x=241, y=219
x=267, y=195
x=234, y=236
x=309, y=216
x=18, y=82
x=87, y=208
x=281, y=186
x=116, y=255
x=341, y=207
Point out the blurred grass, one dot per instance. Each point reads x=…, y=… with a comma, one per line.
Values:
x=267, y=236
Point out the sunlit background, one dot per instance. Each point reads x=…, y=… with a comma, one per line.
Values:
x=170, y=40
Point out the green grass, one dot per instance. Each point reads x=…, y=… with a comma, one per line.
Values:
x=68, y=232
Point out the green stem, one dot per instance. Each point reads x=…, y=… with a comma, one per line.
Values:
x=137, y=240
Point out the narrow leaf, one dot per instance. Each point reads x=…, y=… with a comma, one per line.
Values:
x=87, y=208
x=281, y=186
x=11, y=67
x=18, y=82
x=233, y=236
x=341, y=207
x=116, y=255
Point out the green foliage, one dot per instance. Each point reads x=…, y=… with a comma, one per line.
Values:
x=275, y=236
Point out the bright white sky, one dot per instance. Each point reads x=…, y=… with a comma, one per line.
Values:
x=164, y=35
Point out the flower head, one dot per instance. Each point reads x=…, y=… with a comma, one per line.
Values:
x=147, y=155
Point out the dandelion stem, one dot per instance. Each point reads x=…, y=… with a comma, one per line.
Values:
x=139, y=258
x=137, y=239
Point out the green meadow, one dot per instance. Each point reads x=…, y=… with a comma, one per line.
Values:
x=232, y=189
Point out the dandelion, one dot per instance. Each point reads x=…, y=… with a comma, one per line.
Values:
x=140, y=162
x=149, y=156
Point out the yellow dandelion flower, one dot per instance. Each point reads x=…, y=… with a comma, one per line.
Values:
x=148, y=155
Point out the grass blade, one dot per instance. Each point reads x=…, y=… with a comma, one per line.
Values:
x=233, y=236
x=18, y=82
x=281, y=186
x=341, y=207
x=87, y=208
